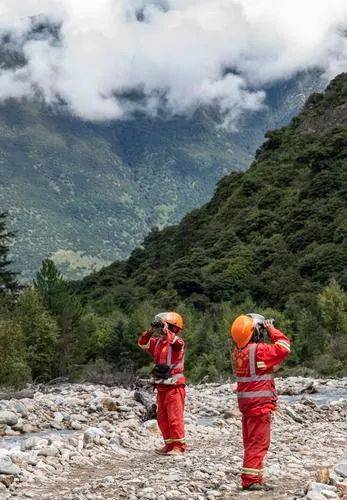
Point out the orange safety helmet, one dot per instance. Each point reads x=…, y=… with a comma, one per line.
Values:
x=242, y=330
x=171, y=317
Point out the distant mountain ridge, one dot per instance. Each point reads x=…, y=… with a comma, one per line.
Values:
x=88, y=193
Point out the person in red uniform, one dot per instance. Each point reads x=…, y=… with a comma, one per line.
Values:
x=167, y=351
x=253, y=363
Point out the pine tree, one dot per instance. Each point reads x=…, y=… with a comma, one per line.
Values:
x=62, y=303
x=40, y=333
x=8, y=283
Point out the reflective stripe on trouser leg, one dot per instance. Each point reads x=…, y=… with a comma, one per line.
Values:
x=255, y=394
x=256, y=441
x=252, y=472
x=175, y=411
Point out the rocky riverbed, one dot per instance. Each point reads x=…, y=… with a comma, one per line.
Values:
x=94, y=442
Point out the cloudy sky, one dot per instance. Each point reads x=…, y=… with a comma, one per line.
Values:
x=174, y=55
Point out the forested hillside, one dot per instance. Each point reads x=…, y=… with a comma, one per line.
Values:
x=87, y=193
x=273, y=233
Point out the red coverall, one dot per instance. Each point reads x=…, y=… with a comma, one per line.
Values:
x=257, y=398
x=171, y=394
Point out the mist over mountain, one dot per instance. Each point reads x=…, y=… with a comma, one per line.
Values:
x=119, y=116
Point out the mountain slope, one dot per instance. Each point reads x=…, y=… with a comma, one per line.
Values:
x=274, y=233
x=88, y=193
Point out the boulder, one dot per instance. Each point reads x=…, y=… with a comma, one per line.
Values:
x=27, y=428
x=316, y=491
x=20, y=408
x=109, y=404
x=8, y=417
x=314, y=495
x=58, y=417
x=342, y=489
x=152, y=426
x=321, y=487
x=124, y=408
x=292, y=414
x=323, y=475
x=92, y=435
x=33, y=442
x=106, y=426
x=75, y=425
x=341, y=469
x=7, y=467
x=50, y=451
x=7, y=480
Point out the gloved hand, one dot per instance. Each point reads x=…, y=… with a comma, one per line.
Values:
x=267, y=324
x=165, y=330
x=150, y=330
x=167, y=333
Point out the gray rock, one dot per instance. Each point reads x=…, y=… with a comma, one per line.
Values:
x=8, y=417
x=341, y=469
x=28, y=428
x=8, y=467
x=49, y=452
x=20, y=408
x=293, y=415
x=33, y=442
x=147, y=493
x=329, y=494
x=320, y=487
x=124, y=408
x=58, y=417
x=77, y=426
x=173, y=494
x=314, y=495
x=316, y=491
x=93, y=435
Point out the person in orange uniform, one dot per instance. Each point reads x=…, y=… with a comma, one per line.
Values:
x=253, y=363
x=167, y=351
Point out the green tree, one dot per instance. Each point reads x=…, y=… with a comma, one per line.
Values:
x=14, y=370
x=65, y=306
x=332, y=303
x=94, y=332
x=8, y=283
x=40, y=331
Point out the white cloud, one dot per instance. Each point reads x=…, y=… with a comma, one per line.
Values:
x=179, y=54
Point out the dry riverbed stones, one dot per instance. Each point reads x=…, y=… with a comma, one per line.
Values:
x=83, y=426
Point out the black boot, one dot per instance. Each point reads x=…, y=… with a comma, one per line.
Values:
x=258, y=487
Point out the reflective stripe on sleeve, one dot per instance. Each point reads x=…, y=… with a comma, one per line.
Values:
x=261, y=364
x=255, y=394
x=145, y=346
x=284, y=344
